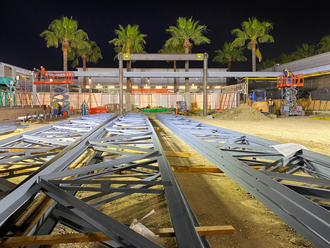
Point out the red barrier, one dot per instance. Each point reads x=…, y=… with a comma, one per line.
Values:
x=97, y=110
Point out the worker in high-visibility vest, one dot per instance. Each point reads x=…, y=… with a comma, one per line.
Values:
x=55, y=107
x=271, y=106
x=288, y=76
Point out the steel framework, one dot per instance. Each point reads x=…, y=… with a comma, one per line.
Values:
x=277, y=184
x=121, y=158
x=24, y=157
x=22, y=154
x=163, y=57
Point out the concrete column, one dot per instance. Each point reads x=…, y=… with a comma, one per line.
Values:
x=90, y=92
x=187, y=98
x=128, y=102
x=205, y=59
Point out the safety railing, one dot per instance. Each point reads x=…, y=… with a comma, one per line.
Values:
x=289, y=81
x=54, y=77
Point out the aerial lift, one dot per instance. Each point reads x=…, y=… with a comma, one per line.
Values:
x=59, y=81
x=287, y=84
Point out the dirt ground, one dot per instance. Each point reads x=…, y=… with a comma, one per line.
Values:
x=218, y=200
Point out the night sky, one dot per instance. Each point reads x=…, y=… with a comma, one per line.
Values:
x=21, y=22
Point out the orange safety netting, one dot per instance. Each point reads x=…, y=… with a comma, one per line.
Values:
x=54, y=77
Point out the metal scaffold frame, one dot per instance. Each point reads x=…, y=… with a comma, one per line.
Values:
x=275, y=184
x=127, y=145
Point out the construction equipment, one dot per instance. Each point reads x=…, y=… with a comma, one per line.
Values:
x=288, y=85
x=259, y=100
x=7, y=92
x=181, y=107
x=59, y=81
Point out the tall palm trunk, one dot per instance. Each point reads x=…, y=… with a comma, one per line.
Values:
x=129, y=68
x=129, y=81
x=229, y=66
x=186, y=45
x=65, y=46
x=84, y=69
x=175, y=86
x=254, y=61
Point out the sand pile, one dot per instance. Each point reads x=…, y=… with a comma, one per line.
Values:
x=243, y=112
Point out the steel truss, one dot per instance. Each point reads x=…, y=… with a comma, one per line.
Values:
x=277, y=184
x=124, y=158
x=23, y=154
x=24, y=157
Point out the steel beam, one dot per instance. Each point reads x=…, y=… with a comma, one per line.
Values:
x=205, y=58
x=179, y=74
x=148, y=172
x=164, y=57
x=307, y=217
x=12, y=203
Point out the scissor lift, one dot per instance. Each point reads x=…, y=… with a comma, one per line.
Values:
x=288, y=85
x=59, y=81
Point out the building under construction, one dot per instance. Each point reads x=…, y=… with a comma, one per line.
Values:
x=136, y=170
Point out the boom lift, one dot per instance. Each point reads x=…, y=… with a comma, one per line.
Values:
x=288, y=85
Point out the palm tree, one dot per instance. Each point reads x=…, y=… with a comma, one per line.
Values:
x=129, y=40
x=64, y=31
x=304, y=51
x=284, y=58
x=256, y=32
x=173, y=50
x=184, y=33
x=266, y=64
x=324, y=44
x=91, y=53
x=228, y=55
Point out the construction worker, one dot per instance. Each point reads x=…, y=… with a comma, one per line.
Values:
x=271, y=106
x=287, y=76
x=55, y=107
x=42, y=73
x=59, y=109
x=36, y=73
x=83, y=108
